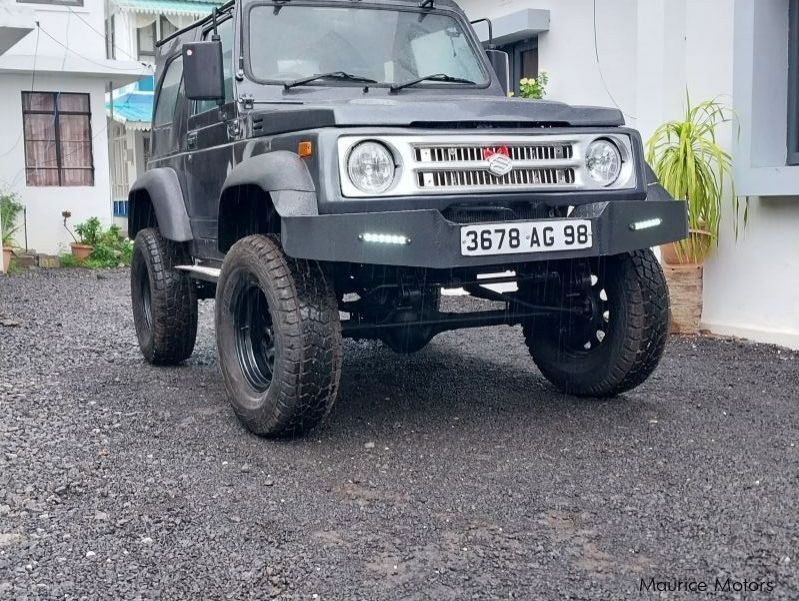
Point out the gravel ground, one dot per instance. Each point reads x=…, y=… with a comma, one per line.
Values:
x=457, y=473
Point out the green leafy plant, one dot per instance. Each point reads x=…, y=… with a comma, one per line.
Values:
x=110, y=248
x=67, y=260
x=691, y=165
x=9, y=211
x=534, y=88
x=90, y=231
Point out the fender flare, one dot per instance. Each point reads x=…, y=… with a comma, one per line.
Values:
x=283, y=175
x=162, y=187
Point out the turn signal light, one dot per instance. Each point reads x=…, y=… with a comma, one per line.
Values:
x=305, y=149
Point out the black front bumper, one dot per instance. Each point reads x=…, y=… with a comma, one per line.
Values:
x=435, y=242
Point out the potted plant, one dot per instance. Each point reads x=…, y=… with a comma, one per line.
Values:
x=9, y=210
x=89, y=233
x=533, y=88
x=692, y=166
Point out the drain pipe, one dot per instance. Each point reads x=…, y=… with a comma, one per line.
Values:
x=25, y=225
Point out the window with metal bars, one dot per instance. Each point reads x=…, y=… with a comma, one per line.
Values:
x=58, y=139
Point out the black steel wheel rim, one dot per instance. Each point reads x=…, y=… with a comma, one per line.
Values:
x=586, y=333
x=146, y=298
x=254, y=335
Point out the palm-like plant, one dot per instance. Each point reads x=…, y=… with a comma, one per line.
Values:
x=692, y=166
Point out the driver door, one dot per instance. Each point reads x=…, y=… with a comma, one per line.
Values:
x=209, y=151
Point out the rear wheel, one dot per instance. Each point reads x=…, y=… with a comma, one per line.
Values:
x=616, y=337
x=278, y=336
x=164, y=299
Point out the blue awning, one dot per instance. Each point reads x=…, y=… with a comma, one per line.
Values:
x=134, y=109
x=197, y=8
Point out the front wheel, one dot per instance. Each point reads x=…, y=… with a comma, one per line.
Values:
x=614, y=339
x=278, y=336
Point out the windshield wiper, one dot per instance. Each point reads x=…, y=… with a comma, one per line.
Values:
x=435, y=77
x=339, y=75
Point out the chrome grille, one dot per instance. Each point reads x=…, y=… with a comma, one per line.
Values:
x=465, y=166
x=481, y=178
x=460, y=154
x=460, y=163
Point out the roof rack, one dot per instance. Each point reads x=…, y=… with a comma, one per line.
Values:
x=215, y=13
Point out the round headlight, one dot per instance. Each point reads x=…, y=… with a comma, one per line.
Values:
x=603, y=160
x=371, y=167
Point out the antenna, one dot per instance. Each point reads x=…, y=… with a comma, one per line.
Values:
x=426, y=4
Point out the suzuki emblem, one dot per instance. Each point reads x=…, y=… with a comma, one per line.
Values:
x=499, y=161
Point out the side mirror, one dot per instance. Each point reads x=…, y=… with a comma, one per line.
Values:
x=203, y=72
x=500, y=61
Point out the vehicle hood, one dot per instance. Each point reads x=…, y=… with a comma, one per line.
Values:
x=438, y=111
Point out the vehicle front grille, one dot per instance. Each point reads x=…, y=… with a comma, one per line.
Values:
x=502, y=162
x=459, y=154
x=459, y=167
x=482, y=178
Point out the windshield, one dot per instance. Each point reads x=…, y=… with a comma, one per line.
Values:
x=389, y=46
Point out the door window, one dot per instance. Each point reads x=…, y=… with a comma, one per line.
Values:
x=168, y=94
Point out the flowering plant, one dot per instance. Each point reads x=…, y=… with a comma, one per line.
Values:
x=534, y=88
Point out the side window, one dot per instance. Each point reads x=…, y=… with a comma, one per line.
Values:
x=168, y=93
x=225, y=30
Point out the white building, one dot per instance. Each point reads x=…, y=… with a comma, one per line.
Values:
x=132, y=28
x=53, y=140
x=650, y=52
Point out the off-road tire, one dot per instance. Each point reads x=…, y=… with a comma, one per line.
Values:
x=164, y=299
x=639, y=326
x=304, y=334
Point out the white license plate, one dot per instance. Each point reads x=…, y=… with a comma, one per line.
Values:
x=525, y=237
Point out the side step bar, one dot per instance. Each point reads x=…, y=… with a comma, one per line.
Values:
x=201, y=272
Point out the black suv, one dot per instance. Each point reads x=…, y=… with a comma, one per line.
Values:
x=325, y=167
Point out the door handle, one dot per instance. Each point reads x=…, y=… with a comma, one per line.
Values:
x=191, y=140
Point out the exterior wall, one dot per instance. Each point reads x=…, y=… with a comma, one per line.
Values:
x=566, y=51
x=80, y=29
x=751, y=290
x=45, y=204
x=124, y=33
x=651, y=51
x=65, y=24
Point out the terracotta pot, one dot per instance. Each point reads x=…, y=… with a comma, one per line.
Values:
x=7, y=252
x=691, y=251
x=81, y=251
